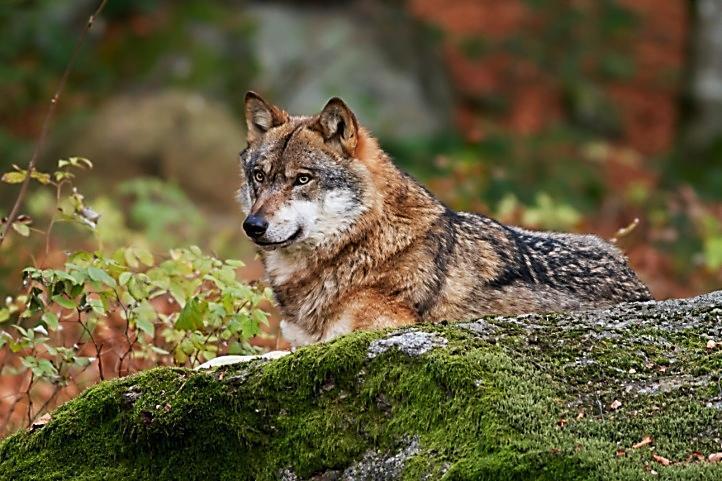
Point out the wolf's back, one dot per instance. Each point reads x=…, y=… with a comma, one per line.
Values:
x=551, y=270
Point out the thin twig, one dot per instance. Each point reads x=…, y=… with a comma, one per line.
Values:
x=198, y=351
x=56, y=390
x=46, y=123
x=47, y=402
x=624, y=231
x=30, y=400
x=9, y=414
x=127, y=337
x=53, y=218
x=98, y=349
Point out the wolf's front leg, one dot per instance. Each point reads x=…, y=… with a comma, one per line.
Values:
x=370, y=309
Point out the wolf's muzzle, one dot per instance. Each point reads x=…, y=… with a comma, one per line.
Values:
x=255, y=226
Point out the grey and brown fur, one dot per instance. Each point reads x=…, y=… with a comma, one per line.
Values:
x=353, y=243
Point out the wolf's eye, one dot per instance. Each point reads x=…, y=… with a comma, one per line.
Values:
x=258, y=176
x=302, y=179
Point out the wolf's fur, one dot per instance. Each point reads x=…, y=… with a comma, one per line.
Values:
x=363, y=245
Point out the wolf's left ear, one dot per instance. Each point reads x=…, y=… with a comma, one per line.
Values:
x=338, y=126
x=261, y=116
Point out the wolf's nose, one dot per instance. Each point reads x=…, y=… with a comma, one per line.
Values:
x=255, y=225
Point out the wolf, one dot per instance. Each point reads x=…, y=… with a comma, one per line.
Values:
x=349, y=241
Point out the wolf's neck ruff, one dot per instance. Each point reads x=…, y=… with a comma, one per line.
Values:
x=350, y=242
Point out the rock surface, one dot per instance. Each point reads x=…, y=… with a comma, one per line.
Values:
x=632, y=392
x=173, y=134
x=373, y=58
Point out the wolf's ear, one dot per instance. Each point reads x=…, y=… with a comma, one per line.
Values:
x=261, y=116
x=338, y=126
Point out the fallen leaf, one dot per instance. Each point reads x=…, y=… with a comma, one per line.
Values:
x=40, y=422
x=616, y=404
x=661, y=459
x=644, y=442
x=714, y=457
x=696, y=455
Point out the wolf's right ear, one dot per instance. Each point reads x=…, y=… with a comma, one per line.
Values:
x=261, y=116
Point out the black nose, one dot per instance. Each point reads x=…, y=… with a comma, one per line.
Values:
x=255, y=225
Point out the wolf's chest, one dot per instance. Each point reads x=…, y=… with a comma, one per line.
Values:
x=281, y=268
x=310, y=303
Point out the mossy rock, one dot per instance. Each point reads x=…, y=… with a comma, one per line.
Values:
x=535, y=397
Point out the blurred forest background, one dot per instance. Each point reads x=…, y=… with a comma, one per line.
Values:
x=573, y=115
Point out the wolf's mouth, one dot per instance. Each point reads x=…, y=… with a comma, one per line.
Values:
x=283, y=243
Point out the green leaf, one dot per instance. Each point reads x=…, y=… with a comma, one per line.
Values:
x=145, y=318
x=234, y=263
x=124, y=278
x=14, y=177
x=67, y=206
x=145, y=325
x=64, y=301
x=249, y=327
x=4, y=314
x=179, y=356
x=51, y=320
x=159, y=350
x=81, y=162
x=144, y=256
x=236, y=348
x=227, y=275
x=81, y=361
x=177, y=292
x=101, y=276
x=137, y=289
x=191, y=317
x=130, y=258
x=21, y=229
x=713, y=252
x=97, y=306
x=41, y=177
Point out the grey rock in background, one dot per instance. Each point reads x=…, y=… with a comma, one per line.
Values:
x=707, y=73
x=173, y=134
x=306, y=55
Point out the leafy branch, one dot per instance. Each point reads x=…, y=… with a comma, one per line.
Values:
x=14, y=212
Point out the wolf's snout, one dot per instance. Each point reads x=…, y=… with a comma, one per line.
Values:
x=255, y=225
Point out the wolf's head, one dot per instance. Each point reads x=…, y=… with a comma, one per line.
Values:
x=302, y=183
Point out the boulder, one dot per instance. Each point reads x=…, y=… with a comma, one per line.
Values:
x=627, y=393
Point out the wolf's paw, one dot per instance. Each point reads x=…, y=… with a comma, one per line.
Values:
x=226, y=360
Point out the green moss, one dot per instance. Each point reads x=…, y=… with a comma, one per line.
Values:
x=500, y=401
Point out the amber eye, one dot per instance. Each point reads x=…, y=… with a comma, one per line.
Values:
x=258, y=176
x=303, y=179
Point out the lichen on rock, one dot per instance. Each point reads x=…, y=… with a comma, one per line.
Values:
x=598, y=395
x=411, y=342
x=373, y=466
